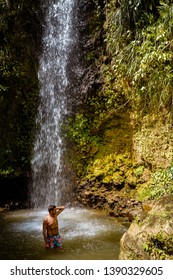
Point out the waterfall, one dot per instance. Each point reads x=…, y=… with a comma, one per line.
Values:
x=59, y=40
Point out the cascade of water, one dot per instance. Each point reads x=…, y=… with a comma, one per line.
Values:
x=59, y=39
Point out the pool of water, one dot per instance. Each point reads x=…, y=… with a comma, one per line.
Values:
x=86, y=234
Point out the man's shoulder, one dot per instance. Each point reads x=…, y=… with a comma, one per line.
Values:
x=46, y=218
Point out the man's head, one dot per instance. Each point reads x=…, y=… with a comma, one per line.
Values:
x=51, y=208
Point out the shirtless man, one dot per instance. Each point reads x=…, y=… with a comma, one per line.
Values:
x=50, y=227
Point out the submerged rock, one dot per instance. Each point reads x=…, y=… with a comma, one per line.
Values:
x=150, y=236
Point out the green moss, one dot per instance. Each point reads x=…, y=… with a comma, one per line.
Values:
x=161, y=184
x=138, y=171
x=159, y=246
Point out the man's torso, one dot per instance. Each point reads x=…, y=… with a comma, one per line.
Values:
x=52, y=225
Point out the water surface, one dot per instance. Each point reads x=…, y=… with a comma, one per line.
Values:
x=87, y=234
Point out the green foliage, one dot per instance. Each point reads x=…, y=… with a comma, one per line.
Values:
x=19, y=40
x=134, y=69
x=139, y=171
x=141, y=57
x=159, y=246
x=161, y=184
x=80, y=132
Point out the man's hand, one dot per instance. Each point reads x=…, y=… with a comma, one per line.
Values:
x=59, y=209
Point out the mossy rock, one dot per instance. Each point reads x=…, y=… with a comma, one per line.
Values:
x=107, y=180
x=131, y=180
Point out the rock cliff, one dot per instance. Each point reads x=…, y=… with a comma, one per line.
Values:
x=150, y=236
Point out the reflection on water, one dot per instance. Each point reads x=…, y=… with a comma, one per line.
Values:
x=86, y=234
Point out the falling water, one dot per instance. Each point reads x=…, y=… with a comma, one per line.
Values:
x=59, y=39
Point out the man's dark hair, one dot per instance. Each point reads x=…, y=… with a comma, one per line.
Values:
x=51, y=207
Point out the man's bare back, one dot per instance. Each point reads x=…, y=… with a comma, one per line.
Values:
x=50, y=224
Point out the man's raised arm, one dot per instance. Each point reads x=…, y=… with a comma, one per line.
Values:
x=59, y=209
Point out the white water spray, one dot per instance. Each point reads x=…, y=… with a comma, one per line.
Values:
x=47, y=168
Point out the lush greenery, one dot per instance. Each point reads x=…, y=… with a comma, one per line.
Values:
x=19, y=45
x=141, y=58
x=134, y=67
x=135, y=63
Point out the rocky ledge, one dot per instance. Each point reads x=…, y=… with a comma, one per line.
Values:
x=109, y=200
x=150, y=236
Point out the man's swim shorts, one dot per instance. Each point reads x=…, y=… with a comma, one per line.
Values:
x=54, y=241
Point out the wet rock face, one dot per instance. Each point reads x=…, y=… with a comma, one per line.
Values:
x=150, y=236
x=125, y=207
x=109, y=200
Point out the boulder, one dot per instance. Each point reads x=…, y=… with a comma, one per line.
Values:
x=150, y=236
